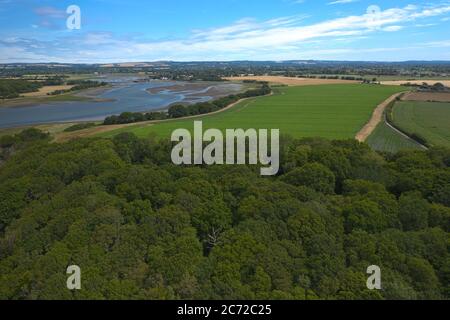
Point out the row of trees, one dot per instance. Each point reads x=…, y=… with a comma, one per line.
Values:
x=79, y=85
x=141, y=228
x=133, y=117
x=54, y=81
x=437, y=87
x=333, y=77
x=179, y=111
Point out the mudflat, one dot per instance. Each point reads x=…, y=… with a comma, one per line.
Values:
x=199, y=89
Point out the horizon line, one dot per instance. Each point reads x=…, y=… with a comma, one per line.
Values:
x=227, y=61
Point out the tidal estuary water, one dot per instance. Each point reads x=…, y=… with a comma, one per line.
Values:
x=124, y=95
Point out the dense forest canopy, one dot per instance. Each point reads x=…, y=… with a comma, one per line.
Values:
x=142, y=228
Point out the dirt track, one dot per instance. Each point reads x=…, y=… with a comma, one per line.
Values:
x=291, y=81
x=377, y=117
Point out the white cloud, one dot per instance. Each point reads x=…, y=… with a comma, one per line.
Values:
x=392, y=28
x=245, y=39
x=342, y=2
x=438, y=44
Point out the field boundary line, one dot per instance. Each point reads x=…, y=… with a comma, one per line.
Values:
x=376, y=119
x=401, y=132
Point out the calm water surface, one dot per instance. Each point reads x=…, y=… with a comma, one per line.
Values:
x=127, y=96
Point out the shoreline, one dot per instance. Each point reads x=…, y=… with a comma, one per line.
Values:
x=206, y=89
x=209, y=90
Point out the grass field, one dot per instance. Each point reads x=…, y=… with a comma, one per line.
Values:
x=329, y=111
x=430, y=120
x=387, y=139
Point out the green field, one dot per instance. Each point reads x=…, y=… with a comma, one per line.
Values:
x=329, y=111
x=430, y=120
x=387, y=139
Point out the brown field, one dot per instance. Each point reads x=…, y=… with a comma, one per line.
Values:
x=290, y=81
x=427, y=96
x=47, y=89
x=418, y=82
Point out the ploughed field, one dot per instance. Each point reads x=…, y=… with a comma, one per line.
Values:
x=335, y=111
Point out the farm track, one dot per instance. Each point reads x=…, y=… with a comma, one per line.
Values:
x=376, y=119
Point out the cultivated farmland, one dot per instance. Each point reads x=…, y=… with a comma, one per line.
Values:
x=429, y=120
x=386, y=139
x=329, y=111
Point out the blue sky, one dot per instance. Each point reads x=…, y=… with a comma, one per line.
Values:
x=201, y=30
